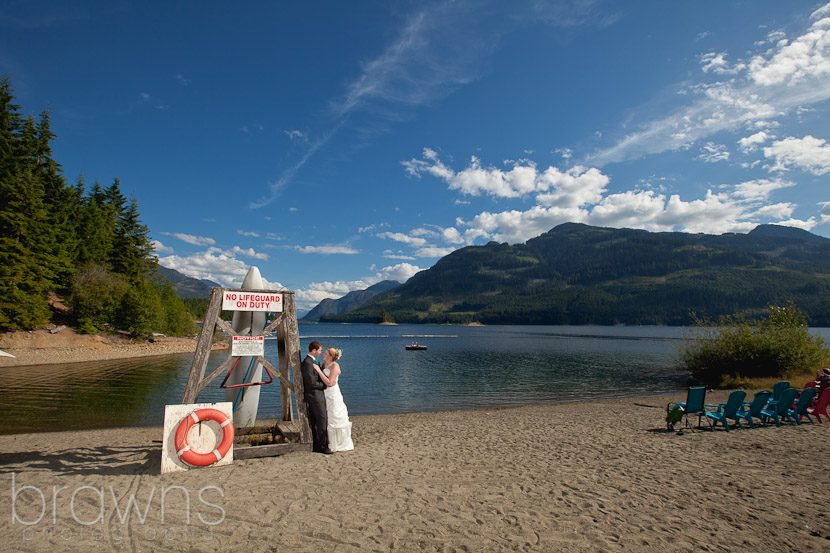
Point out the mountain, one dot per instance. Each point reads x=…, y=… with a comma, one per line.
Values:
x=579, y=274
x=350, y=301
x=185, y=286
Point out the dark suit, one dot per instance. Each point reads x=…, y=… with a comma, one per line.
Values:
x=315, y=399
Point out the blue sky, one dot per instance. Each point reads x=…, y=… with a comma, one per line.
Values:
x=335, y=144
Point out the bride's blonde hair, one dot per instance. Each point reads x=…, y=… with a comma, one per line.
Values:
x=334, y=353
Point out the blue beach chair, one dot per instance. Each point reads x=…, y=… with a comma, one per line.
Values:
x=727, y=411
x=753, y=409
x=781, y=408
x=695, y=399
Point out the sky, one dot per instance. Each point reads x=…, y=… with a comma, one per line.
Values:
x=334, y=144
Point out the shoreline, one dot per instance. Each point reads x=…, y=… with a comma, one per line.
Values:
x=589, y=476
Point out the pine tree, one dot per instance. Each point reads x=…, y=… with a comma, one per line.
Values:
x=94, y=236
x=25, y=262
x=131, y=254
x=60, y=203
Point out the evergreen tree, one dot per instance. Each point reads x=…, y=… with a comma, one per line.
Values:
x=94, y=236
x=131, y=254
x=26, y=267
x=60, y=203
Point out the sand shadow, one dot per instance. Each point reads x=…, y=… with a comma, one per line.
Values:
x=86, y=461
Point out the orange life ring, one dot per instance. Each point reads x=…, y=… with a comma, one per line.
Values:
x=186, y=453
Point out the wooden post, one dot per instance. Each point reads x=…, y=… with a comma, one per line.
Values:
x=200, y=358
x=293, y=425
x=292, y=345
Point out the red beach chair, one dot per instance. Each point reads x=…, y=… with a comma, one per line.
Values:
x=821, y=407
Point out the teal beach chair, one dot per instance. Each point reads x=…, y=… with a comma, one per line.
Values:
x=695, y=399
x=805, y=400
x=778, y=389
x=727, y=411
x=753, y=410
x=780, y=409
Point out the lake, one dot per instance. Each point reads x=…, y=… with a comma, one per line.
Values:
x=463, y=367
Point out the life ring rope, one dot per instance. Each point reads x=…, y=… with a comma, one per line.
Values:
x=191, y=457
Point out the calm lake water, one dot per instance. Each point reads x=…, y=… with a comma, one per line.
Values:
x=463, y=367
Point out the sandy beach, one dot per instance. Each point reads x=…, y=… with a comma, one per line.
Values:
x=593, y=476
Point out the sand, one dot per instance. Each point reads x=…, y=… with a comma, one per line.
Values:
x=596, y=476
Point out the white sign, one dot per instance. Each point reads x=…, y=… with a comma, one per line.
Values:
x=239, y=300
x=244, y=346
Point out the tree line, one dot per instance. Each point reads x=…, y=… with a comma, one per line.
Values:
x=85, y=244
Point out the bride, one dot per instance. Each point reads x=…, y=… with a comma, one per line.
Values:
x=339, y=428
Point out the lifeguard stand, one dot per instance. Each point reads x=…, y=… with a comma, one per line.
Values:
x=293, y=429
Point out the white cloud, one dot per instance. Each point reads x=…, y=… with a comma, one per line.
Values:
x=808, y=153
x=713, y=153
x=800, y=60
x=316, y=292
x=750, y=143
x=433, y=251
x=400, y=272
x=517, y=226
x=294, y=134
x=327, y=250
x=250, y=253
x=758, y=190
x=370, y=228
x=403, y=238
x=452, y=236
x=158, y=247
x=220, y=267
x=572, y=188
x=247, y=233
x=790, y=75
x=191, y=239
x=717, y=63
x=389, y=254
x=737, y=208
x=824, y=211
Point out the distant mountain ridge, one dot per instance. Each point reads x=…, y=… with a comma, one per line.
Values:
x=185, y=286
x=579, y=274
x=331, y=307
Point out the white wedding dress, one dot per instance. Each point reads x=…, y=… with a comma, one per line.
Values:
x=339, y=428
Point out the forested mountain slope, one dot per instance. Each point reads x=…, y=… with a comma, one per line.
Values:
x=578, y=274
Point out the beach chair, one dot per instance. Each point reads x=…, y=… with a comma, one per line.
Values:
x=695, y=399
x=778, y=389
x=727, y=411
x=821, y=407
x=753, y=410
x=779, y=409
x=804, y=401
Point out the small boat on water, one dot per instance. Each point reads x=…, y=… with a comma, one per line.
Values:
x=415, y=346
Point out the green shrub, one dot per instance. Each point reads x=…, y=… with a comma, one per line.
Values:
x=140, y=311
x=177, y=321
x=96, y=295
x=86, y=327
x=737, y=347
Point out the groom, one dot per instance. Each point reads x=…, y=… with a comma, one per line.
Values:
x=315, y=399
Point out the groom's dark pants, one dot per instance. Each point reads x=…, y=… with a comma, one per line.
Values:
x=318, y=418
